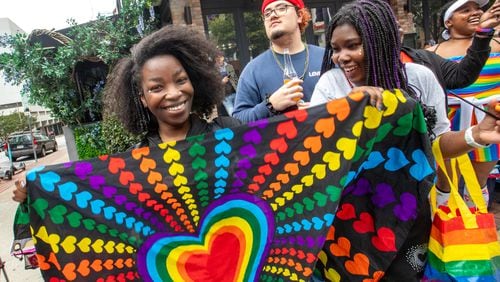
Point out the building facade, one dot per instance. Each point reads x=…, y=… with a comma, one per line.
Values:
x=11, y=100
x=236, y=26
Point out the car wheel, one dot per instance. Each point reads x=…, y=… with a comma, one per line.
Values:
x=43, y=152
x=8, y=175
x=55, y=147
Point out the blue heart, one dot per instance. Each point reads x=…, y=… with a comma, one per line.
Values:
x=222, y=161
x=288, y=228
x=329, y=218
x=223, y=147
x=220, y=183
x=224, y=134
x=66, y=190
x=129, y=221
x=146, y=231
x=82, y=199
x=119, y=217
x=219, y=191
x=138, y=226
x=280, y=230
x=374, y=159
x=421, y=168
x=221, y=173
x=48, y=179
x=318, y=223
x=397, y=160
x=296, y=226
x=307, y=224
x=31, y=175
x=96, y=206
x=109, y=212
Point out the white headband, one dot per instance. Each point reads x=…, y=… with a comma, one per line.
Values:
x=458, y=4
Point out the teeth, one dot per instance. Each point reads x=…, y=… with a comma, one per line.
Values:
x=349, y=69
x=175, y=107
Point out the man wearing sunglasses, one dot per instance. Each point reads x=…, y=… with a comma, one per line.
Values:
x=261, y=90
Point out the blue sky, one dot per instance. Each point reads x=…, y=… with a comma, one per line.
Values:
x=48, y=14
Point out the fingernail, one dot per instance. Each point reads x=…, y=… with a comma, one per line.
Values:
x=380, y=107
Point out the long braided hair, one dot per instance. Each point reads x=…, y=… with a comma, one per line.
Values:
x=197, y=56
x=376, y=24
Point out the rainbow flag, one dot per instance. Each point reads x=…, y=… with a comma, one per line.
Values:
x=249, y=203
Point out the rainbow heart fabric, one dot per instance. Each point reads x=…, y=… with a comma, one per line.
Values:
x=249, y=203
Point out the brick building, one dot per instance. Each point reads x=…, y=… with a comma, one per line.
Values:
x=239, y=48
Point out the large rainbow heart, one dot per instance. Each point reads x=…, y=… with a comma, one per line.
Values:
x=231, y=245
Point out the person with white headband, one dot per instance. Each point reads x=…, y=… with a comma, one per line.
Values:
x=462, y=21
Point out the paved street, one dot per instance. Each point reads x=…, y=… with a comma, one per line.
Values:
x=13, y=267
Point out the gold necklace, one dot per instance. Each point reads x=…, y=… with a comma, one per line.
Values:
x=306, y=63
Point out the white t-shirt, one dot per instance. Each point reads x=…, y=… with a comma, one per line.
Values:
x=334, y=85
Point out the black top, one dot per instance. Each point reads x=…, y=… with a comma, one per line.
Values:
x=198, y=126
x=452, y=75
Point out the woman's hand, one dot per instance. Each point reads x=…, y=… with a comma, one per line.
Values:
x=375, y=93
x=491, y=18
x=20, y=193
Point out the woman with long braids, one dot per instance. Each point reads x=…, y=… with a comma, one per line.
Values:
x=168, y=87
x=362, y=54
x=462, y=21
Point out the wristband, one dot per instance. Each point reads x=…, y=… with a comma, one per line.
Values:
x=469, y=139
x=485, y=31
x=270, y=107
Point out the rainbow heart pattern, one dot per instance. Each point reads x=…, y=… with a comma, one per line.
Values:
x=255, y=202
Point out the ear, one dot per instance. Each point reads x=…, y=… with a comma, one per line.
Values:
x=448, y=24
x=144, y=102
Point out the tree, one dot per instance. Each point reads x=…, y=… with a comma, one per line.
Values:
x=46, y=74
x=14, y=122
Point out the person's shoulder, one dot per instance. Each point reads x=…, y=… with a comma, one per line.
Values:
x=225, y=121
x=417, y=68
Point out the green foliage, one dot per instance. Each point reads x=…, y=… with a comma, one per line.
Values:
x=13, y=122
x=89, y=142
x=46, y=73
x=117, y=138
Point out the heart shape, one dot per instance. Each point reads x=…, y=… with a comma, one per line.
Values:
x=48, y=180
x=287, y=128
x=96, y=181
x=407, y=209
x=333, y=160
x=226, y=241
x=359, y=265
x=396, y=159
x=224, y=134
x=171, y=155
x=385, y=240
x=115, y=165
x=66, y=190
x=223, y=148
x=373, y=117
x=147, y=164
x=346, y=212
x=421, y=168
x=313, y=143
x=140, y=152
x=196, y=150
x=364, y=224
x=347, y=146
x=342, y=248
x=339, y=107
x=299, y=115
x=302, y=157
x=57, y=214
x=405, y=125
x=82, y=169
x=252, y=136
x=69, y=244
x=248, y=150
x=384, y=195
x=325, y=126
x=279, y=144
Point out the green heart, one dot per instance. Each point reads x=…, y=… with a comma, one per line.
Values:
x=419, y=121
x=205, y=203
x=74, y=219
x=334, y=192
x=196, y=138
x=199, y=163
x=22, y=215
x=57, y=214
x=281, y=216
x=200, y=175
x=197, y=150
x=124, y=237
x=202, y=186
x=132, y=240
x=383, y=131
x=203, y=192
x=405, y=125
x=320, y=199
x=113, y=232
x=299, y=208
x=102, y=228
x=40, y=205
x=309, y=203
x=289, y=212
x=358, y=153
x=89, y=224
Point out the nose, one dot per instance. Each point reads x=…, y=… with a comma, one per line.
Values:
x=341, y=57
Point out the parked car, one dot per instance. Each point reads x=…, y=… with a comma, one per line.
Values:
x=7, y=170
x=21, y=144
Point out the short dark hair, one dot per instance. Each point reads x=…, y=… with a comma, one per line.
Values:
x=194, y=52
